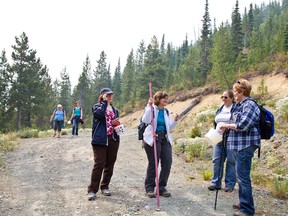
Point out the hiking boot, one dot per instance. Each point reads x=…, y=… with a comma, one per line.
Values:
x=228, y=190
x=151, y=194
x=240, y=214
x=165, y=194
x=106, y=192
x=91, y=196
x=236, y=206
x=213, y=187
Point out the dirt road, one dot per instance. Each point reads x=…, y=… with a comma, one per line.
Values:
x=49, y=176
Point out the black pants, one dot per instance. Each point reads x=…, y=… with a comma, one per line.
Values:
x=164, y=154
x=104, y=160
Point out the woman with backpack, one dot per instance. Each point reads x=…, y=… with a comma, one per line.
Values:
x=243, y=139
x=163, y=125
x=76, y=117
x=59, y=118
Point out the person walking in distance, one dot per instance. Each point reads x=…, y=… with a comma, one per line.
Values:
x=59, y=117
x=243, y=139
x=76, y=117
x=163, y=124
x=105, y=143
x=221, y=153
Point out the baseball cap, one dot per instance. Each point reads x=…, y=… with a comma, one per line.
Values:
x=106, y=91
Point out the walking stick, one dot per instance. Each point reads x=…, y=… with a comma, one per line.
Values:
x=223, y=146
x=155, y=150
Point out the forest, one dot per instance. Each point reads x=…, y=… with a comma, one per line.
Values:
x=222, y=53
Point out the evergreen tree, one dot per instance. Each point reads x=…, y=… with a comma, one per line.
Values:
x=65, y=92
x=26, y=86
x=102, y=74
x=83, y=91
x=5, y=79
x=236, y=32
x=222, y=59
x=127, y=90
x=117, y=84
x=154, y=70
x=206, y=43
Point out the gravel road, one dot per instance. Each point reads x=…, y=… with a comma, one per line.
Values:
x=49, y=176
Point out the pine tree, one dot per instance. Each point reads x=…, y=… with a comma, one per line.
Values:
x=27, y=85
x=222, y=59
x=127, y=90
x=236, y=32
x=83, y=90
x=65, y=92
x=117, y=84
x=206, y=43
x=102, y=74
x=5, y=79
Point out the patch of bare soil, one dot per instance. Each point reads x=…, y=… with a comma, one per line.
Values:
x=49, y=176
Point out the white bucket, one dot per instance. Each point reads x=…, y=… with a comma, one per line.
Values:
x=119, y=129
x=213, y=136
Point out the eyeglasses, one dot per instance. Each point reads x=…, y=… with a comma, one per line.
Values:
x=224, y=97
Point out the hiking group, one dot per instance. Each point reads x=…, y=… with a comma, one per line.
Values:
x=58, y=119
x=237, y=119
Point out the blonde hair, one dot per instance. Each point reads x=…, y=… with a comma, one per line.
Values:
x=243, y=86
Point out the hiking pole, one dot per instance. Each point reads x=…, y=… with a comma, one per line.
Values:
x=155, y=149
x=223, y=146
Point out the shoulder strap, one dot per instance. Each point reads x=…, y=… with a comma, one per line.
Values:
x=167, y=112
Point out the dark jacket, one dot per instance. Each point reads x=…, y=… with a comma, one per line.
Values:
x=99, y=128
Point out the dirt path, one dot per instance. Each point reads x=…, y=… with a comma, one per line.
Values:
x=49, y=176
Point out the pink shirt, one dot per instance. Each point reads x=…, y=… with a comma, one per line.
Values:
x=110, y=116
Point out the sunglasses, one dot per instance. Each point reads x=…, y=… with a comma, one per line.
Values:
x=224, y=97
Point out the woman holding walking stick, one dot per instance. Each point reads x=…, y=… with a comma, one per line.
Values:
x=243, y=139
x=221, y=153
x=163, y=124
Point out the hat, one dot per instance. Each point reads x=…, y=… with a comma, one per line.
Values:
x=106, y=91
x=59, y=105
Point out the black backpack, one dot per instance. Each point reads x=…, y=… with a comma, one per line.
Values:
x=142, y=126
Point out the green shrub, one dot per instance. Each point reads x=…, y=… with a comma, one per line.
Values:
x=207, y=175
x=27, y=133
x=195, y=150
x=280, y=188
x=195, y=132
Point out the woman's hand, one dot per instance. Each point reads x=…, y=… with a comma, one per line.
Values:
x=104, y=97
x=150, y=101
x=177, y=117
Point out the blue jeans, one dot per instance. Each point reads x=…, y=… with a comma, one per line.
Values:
x=243, y=168
x=164, y=154
x=230, y=172
x=75, y=125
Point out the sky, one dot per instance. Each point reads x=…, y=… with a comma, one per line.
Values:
x=65, y=32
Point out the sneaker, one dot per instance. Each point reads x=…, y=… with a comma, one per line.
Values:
x=165, y=194
x=106, y=192
x=228, y=190
x=236, y=206
x=91, y=196
x=151, y=194
x=58, y=136
x=213, y=187
x=54, y=135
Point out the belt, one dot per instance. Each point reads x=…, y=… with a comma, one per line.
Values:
x=161, y=132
